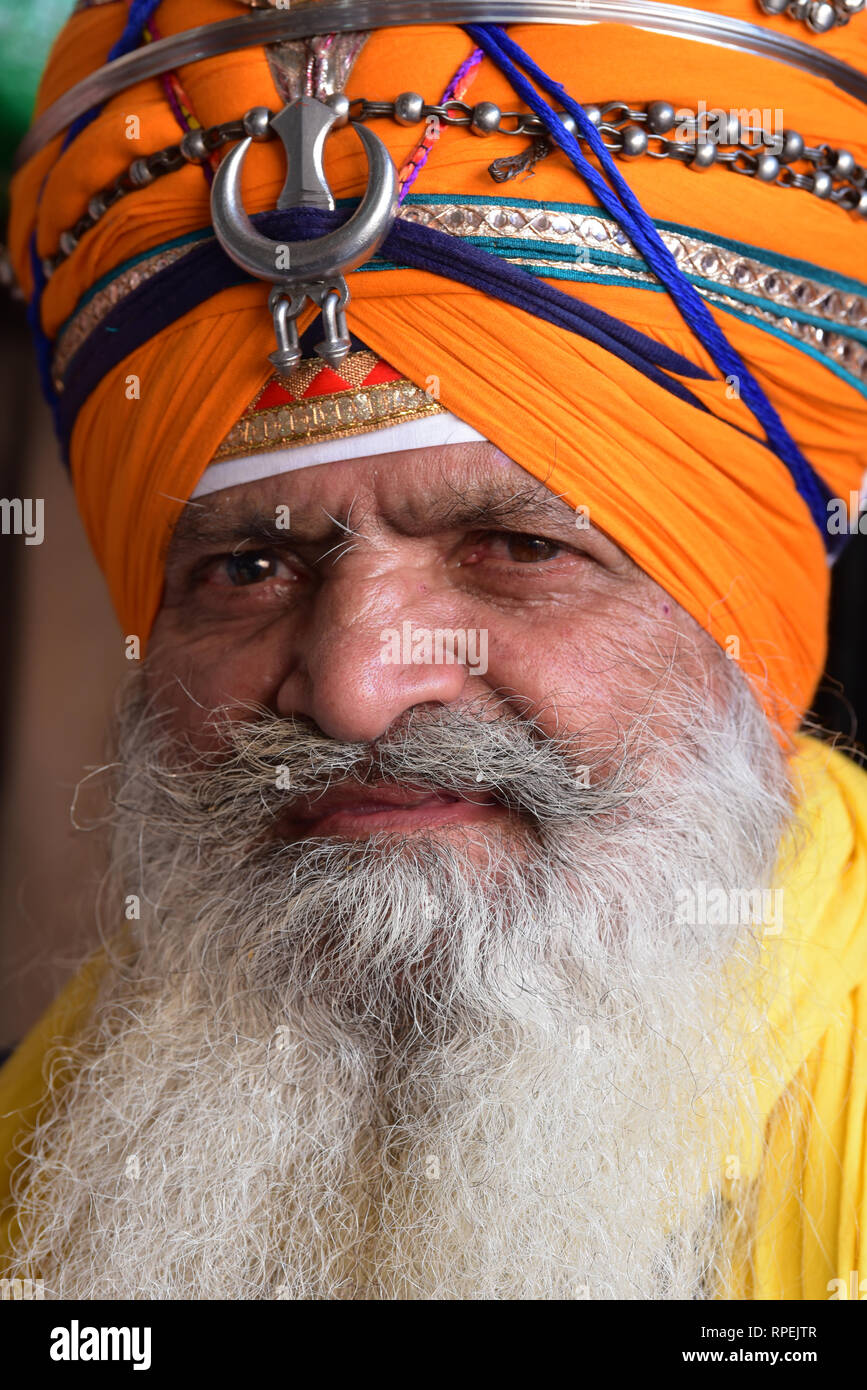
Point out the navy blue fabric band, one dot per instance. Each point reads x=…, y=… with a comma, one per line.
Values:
x=206, y=270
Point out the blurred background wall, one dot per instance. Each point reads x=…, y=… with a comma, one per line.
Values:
x=61, y=652
x=62, y=658
x=63, y=655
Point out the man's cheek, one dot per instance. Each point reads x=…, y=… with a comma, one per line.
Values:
x=188, y=680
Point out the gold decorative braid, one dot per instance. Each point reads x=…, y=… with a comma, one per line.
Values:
x=327, y=417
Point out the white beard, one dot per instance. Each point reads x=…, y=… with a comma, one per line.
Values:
x=374, y=1071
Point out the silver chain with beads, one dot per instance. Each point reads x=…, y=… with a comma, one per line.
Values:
x=628, y=133
x=818, y=15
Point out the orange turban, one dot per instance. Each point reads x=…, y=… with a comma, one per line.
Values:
x=694, y=496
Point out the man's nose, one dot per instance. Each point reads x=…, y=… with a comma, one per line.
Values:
x=374, y=647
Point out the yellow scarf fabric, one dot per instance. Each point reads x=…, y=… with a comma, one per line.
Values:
x=807, y=1236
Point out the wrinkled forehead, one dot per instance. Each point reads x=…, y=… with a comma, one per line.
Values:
x=412, y=492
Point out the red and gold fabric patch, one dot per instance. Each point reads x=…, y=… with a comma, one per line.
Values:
x=317, y=403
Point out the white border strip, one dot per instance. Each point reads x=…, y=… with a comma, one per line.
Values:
x=406, y=434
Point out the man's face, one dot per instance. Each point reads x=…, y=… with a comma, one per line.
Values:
x=313, y=594
x=426, y=1016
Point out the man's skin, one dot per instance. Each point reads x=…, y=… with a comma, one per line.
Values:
x=456, y=537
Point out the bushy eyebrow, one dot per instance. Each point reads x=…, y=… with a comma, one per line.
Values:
x=199, y=530
x=475, y=507
x=486, y=508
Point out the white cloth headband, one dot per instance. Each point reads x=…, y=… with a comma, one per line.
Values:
x=407, y=434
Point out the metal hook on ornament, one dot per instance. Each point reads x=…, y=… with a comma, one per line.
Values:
x=332, y=300
x=285, y=308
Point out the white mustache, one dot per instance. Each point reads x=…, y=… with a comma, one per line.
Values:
x=266, y=765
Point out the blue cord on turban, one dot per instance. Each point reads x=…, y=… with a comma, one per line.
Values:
x=622, y=203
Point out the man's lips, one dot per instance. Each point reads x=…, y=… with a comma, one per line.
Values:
x=357, y=811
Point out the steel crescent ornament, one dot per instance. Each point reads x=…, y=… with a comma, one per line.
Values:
x=337, y=252
x=302, y=270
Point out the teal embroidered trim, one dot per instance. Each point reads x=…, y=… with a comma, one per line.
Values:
x=815, y=310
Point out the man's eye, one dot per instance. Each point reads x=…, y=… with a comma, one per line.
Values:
x=527, y=549
x=519, y=547
x=252, y=567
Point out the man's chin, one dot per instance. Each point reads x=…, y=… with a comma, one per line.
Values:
x=478, y=841
x=443, y=925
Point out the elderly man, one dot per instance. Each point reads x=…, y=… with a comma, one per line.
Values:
x=479, y=923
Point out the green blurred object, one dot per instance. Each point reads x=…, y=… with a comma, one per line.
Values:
x=27, y=30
